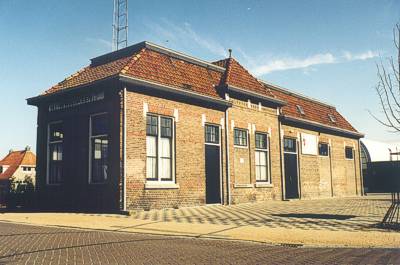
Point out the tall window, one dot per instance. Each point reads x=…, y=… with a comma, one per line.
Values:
x=262, y=157
x=349, y=152
x=98, y=148
x=240, y=137
x=159, y=146
x=55, y=156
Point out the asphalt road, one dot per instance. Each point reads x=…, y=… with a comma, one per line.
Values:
x=23, y=244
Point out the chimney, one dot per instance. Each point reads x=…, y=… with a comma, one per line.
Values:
x=27, y=148
x=10, y=151
x=230, y=53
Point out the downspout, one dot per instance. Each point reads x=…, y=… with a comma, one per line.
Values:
x=330, y=166
x=361, y=171
x=124, y=148
x=281, y=155
x=228, y=166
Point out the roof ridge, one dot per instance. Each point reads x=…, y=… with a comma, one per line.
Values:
x=267, y=90
x=132, y=61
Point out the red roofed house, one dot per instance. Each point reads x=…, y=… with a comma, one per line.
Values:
x=148, y=127
x=18, y=165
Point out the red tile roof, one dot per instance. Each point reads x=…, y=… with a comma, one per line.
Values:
x=236, y=75
x=160, y=68
x=156, y=64
x=313, y=110
x=150, y=66
x=15, y=159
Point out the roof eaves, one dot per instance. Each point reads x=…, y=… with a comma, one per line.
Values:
x=35, y=100
x=296, y=94
x=323, y=126
x=174, y=90
x=256, y=95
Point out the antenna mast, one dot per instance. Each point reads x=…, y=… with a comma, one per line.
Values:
x=120, y=25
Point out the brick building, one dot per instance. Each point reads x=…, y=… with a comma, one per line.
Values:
x=148, y=127
x=17, y=165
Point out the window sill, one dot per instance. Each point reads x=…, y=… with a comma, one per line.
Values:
x=243, y=185
x=241, y=146
x=158, y=185
x=264, y=185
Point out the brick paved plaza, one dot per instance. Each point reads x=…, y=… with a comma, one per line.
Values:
x=22, y=244
x=295, y=232
x=339, y=214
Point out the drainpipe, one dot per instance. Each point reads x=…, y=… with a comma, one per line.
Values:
x=281, y=156
x=228, y=166
x=361, y=172
x=124, y=149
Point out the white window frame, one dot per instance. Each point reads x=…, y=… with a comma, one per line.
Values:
x=90, y=148
x=48, y=153
x=283, y=145
x=159, y=182
x=219, y=134
x=329, y=149
x=268, y=162
x=247, y=138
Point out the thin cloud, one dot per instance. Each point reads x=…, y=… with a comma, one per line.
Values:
x=360, y=56
x=317, y=59
x=292, y=63
x=185, y=35
x=100, y=41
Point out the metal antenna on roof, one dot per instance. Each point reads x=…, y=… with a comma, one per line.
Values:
x=120, y=25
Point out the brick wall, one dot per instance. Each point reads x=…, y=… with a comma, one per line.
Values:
x=320, y=176
x=190, y=151
x=254, y=118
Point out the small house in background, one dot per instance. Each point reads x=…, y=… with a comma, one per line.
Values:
x=17, y=165
x=380, y=163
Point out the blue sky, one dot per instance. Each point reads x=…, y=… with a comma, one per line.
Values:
x=324, y=49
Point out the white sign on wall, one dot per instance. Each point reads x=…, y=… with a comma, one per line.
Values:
x=309, y=144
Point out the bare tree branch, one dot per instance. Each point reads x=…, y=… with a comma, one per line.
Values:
x=388, y=88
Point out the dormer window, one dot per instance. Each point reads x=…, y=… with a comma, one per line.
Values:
x=332, y=118
x=3, y=169
x=300, y=110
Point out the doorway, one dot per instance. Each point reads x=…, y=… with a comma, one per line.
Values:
x=213, y=164
x=291, y=168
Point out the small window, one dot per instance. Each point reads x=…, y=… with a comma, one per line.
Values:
x=300, y=110
x=240, y=137
x=151, y=125
x=212, y=134
x=323, y=149
x=261, y=141
x=332, y=118
x=289, y=145
x=349, y=152
x=1, y=169
x=26, y=168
